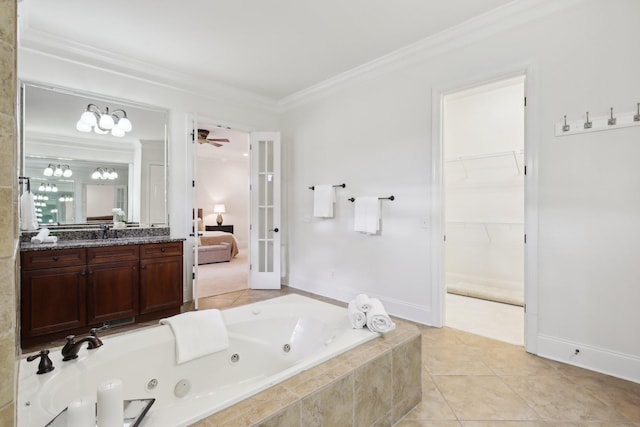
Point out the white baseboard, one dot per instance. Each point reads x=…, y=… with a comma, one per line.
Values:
x=601, y=360
x=413, y=312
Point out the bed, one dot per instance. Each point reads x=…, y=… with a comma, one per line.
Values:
x=216, y=237
x=209, y=238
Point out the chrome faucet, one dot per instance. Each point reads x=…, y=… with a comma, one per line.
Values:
x=105, y=231
x=72, y=347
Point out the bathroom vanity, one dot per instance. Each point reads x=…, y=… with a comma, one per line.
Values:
x=69, y=287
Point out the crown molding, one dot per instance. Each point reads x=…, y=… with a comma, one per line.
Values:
x=46, y=44
x=513, y=14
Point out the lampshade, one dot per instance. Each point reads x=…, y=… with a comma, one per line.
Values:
x=219, y=209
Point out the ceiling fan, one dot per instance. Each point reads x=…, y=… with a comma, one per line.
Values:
x=203, y=137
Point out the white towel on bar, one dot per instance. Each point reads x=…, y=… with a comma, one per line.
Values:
x=198, y=333
x=357, y=317
x=41, y=236
x=324, y=196
x=367, y=215
x=28, y=218
x=362, y=302
x=377, y=318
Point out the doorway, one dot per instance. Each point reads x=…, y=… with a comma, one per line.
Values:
x=222, y=176
x=483, y=134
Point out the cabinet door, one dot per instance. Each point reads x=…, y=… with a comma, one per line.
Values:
x=53, y=299
x=112, y=291
x=160, y=283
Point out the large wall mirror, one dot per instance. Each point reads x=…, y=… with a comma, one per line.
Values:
x=80, y=172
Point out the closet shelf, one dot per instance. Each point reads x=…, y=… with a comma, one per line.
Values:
x=485, y=225
x=510, y=153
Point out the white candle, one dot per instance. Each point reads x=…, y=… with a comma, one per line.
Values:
x=82, y=413
x=110, y=404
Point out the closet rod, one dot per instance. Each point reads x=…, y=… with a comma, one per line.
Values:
x=392, y=198
x=313, y=187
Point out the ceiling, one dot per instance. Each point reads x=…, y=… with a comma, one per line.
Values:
x=270, y=48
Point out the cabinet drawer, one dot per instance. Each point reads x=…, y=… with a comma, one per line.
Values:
x=157, y=250
x=30, y=260
x=104, y=254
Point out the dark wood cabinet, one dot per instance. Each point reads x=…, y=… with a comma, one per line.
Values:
x=161, y=277
x=53, y=299
x=112, y=291
x=67, y=291
x=112, y=282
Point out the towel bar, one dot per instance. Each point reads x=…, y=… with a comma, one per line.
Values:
x=392, y=198
x=313, y=187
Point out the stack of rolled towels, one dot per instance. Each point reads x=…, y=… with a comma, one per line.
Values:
x=369, y=312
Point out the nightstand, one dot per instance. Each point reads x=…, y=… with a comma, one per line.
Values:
x=225, y=228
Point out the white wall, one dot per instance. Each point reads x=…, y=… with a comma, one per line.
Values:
x=374, y=134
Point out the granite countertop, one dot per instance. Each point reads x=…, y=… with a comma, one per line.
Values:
x=71, y=244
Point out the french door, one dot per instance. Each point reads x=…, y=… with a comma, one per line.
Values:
x=265, y=211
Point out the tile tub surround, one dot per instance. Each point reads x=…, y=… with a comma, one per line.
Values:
x=374, y=384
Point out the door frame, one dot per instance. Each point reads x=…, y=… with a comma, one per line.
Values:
x=531, y=138
x=193, y=120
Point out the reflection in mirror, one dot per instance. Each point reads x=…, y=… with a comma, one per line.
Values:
x=80, y=177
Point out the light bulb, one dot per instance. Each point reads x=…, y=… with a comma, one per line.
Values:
x=106, y=122
x=61, y=199
x=116, y=131
x=100, y=131
x=125, y=124
x=113, y=174
x=67, y=172
x=58, y=171
x=88, y=118
x=48, y=171
x=54, y=188
x=96, y=174
x=45, y=197
x=41, y=188
x=82, y=126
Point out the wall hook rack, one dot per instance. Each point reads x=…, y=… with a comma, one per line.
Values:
x=313, y=187
x=608, y=122
x=392, y=198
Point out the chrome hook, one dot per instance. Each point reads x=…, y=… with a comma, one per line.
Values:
x=636, y=117
x=565, y=127
x=611, y=120
x=587, y=124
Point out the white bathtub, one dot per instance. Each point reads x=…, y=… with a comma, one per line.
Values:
x=315, y=331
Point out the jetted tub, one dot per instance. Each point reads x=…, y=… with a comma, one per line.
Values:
x=270, y=341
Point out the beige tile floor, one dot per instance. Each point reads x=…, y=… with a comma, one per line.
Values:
x=473, y=381
x=503, y=322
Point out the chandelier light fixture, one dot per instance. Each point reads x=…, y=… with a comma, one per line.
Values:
x=58, y=171
x=65, y=198
x=104, y=173
x=115, y=122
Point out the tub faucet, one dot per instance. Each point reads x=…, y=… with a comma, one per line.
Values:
x=72, y=347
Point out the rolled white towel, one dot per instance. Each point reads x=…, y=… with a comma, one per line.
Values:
x=363, y=302
x=357, y=317
x=42, y=234
x=50, y=239
x=377, y=318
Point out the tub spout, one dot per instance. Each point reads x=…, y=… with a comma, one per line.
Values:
x=72, y=347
